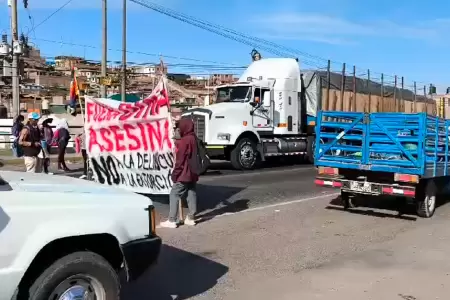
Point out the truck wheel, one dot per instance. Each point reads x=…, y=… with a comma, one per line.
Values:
x=80, y=275
x=310, y=147
x=426, y=201
x=244, y=156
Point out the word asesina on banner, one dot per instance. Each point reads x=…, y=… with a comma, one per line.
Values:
x=130, y=144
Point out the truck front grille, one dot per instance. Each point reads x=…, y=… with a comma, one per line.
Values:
x=199, y=125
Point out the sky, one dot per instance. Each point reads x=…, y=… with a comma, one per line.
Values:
x=403, y=38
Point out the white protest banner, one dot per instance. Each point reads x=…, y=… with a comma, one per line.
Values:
x=130, y=144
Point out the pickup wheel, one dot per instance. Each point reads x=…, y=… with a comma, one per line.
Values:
x=244, y=156
x=80, y=275
x=426, y=201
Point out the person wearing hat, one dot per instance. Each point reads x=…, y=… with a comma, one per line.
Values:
x=30, y=141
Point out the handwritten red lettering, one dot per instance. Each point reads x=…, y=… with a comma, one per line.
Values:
x=90, y=110
x=152, y=136
x=118, y=137
x=129, y=133
x=143, y=137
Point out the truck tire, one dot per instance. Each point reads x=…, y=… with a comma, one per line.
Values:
x=74, y=275
x=426, y=200
x=244, y=155
x=310, y=145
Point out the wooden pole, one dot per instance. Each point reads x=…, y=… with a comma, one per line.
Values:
x=426, y=98
x=354, y=90
x=414, y=100
x=396, y=102
x=369, y=86
x=402, y=104
x=382, y=92
x=328, y=86
x=341, y=106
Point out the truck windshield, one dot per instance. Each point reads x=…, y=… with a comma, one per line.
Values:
x=234, y=94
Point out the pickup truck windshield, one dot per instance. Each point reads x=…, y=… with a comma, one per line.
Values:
x=234, y=94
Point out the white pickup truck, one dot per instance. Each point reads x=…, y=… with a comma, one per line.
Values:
x=65, y=238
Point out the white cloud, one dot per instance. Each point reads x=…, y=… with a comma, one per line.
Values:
x=334, y=30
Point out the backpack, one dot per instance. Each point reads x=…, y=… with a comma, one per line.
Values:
x=16, y=148
x=199, y=162
x=16, y=129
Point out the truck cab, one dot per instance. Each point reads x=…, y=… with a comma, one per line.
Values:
x=260, y=115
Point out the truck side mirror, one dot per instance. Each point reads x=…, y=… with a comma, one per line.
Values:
x=268, y=95
x=256, y=102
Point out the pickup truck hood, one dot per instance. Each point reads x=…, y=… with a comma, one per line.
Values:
x=42, y=183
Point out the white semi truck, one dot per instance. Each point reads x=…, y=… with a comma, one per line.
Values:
x=266, y=113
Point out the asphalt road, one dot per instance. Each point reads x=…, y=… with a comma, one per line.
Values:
x=271, y=234
x=224, y=190
x=304, y=249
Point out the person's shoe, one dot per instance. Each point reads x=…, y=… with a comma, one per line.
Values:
x=189, y=222
x=83, y=176
x=168, y=224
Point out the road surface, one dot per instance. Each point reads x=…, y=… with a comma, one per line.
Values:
x=272, y=234
x=224, y=190
x=304, y=249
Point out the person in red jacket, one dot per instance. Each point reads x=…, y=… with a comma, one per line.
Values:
x=184, y=179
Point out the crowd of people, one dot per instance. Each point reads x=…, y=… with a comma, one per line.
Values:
x=34, y=140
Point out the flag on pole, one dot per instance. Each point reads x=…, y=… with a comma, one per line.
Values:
x=74, y=93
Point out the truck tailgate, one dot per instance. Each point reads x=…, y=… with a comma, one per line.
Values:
x=386, y=142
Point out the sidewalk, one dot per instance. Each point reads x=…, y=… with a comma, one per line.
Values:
x=12, y=160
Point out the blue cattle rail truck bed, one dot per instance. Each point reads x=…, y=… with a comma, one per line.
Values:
x=394, y=154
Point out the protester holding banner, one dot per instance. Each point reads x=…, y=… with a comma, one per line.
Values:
x=184, y=177
x=130, y=145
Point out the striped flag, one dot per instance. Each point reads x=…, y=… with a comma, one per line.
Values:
x=74, y=93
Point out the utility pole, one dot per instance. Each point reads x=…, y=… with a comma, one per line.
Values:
x=124, y=51
x=104, y=46
x=16, y=54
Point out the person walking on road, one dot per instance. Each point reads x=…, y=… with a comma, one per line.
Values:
x=61, y=138
x=30, y=142
x=184, y=175
x=82, y=139
x=47, y=133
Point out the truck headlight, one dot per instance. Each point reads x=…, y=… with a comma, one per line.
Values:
x=223, y=136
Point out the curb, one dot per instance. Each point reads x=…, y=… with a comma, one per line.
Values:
x=19, y=161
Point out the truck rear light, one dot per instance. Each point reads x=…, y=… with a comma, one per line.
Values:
x=328, y=171
x=406, y=178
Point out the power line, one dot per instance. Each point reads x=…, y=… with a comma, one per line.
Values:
x=131, y=52
x=269, y=46
x=51, y=15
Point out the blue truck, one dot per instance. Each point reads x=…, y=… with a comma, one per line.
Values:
x=394, y=154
